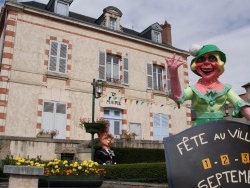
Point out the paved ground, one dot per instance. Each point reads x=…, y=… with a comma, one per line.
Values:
x=110, y=184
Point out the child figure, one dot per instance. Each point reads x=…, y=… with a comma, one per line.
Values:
x=106, y=155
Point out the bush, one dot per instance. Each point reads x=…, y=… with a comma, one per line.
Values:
x=137, y=155
x=152, y=172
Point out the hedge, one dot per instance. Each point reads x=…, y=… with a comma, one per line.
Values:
x=141, y=172
x=137, y=155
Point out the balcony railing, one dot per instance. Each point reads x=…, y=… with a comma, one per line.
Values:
x=113, y=80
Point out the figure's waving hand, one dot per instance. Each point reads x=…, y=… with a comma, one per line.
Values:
x=173, y=63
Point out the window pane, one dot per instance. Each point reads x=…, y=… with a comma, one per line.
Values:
x=108, y=70
x=61, y=8
x=116, y=127
x=157, y=77
x=112, y=23
x=116, y=71
x=106, y=112
x=60, y=108
x=48, y=107
x=117, y=113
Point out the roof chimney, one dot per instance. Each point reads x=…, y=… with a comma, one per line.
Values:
x=166, y=34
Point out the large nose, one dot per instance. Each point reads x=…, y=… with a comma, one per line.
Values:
x=206, y=63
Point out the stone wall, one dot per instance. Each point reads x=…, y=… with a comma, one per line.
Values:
x=49, y=148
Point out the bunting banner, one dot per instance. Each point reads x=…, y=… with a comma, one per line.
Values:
x=116, y=100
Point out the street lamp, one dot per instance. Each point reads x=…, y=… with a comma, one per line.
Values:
x=97, y=93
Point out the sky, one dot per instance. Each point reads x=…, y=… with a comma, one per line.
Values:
x=225, y=23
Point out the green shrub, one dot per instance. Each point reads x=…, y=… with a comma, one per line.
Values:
x=138, y=155
x=141, y=172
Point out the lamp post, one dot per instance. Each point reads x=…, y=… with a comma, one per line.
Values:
x=97, y=93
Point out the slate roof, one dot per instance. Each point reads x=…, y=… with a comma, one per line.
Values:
x=79, y=17
x=92, y=21
x=246, y=85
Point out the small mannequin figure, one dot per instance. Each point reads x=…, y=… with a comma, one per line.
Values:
x=208, y=95
x=106, y=155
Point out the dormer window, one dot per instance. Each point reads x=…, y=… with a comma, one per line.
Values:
x=59, y=6
x=62, y=8
x=153, y=33
x=156, y=36
x=112, y=23
x=111, y=18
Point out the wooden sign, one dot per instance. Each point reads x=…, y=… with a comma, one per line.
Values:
x=211, y=155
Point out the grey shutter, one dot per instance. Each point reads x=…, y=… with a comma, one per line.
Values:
x=63, y=58
x=150, y=75
x=53, y=55
x=125, y=71
x=102, y=62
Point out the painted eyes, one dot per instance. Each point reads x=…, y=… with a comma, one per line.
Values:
x=210, y=58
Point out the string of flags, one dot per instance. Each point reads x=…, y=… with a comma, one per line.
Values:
x=118, y=101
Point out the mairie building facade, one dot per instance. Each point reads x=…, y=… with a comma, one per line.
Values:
x=49, y=58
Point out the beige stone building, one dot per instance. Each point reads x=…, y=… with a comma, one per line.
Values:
x=49, y=58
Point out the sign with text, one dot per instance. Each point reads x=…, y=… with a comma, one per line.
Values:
x=210, y=155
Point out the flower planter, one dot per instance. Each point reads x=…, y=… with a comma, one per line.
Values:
x=70, y=181
x=93, y=127
x=123, y=137
x=44, y=136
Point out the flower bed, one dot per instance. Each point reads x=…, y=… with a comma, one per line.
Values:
x=67, y=174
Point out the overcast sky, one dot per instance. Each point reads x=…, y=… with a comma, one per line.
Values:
x=225, y=23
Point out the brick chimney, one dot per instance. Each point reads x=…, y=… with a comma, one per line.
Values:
x=166, y=34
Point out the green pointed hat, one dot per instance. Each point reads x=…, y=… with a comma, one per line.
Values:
x=197, y=51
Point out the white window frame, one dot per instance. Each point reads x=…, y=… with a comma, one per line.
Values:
x=157, y=36
x=158, y=77
x=160, y=126
x=58, y=57
x=112, y=23
x=115, y=120
x=103, y=56
x=52, y=119
x=62, y=8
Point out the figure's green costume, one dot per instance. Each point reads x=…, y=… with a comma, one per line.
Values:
x=210, y=106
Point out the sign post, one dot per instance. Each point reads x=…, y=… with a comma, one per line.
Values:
x=211, y=155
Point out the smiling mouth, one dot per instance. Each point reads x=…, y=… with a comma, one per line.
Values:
x=207, y=70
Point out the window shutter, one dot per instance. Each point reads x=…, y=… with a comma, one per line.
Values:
x=62, y=58
x=102, y=61
x=150, y=75
x=58, y=57
x=125, y=71
x=53, y=56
